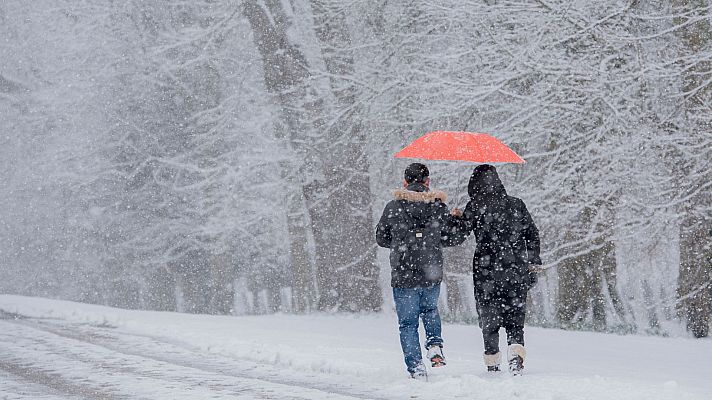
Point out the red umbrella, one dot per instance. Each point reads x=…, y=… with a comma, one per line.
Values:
x=460, y=146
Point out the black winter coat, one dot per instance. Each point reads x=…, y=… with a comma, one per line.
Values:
x=417, y=217
x=507, y=239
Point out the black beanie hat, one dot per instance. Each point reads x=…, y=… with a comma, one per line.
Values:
x=416, y=172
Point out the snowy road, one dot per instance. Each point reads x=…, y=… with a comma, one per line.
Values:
x=60, y=350
x=50, y=360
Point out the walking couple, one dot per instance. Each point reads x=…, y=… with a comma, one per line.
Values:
x=417, y=224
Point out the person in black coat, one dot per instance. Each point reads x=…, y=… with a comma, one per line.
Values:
x=505, y=263
x=415, y=226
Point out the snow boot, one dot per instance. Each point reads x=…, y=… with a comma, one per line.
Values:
x=419, y=373
x=492, y=361
x=517, y=354
x=435, y=355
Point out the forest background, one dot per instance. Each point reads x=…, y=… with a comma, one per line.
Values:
x=231, y=157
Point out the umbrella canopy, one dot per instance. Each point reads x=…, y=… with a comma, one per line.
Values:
x=460, y=146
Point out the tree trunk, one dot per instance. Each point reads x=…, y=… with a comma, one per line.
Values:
x=285, y=74
x=598, y=301
x=610, y=276
x=458, y=264
x=221, y=291
x=335, y=171
x=695, y=273
x=573, y=291
x=695, y=270
x=341, y=202
x=581, y=277
x=303, y=290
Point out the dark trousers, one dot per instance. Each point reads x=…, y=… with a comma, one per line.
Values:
x=507, y=313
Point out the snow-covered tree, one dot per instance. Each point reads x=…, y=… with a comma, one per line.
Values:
x=231, y=157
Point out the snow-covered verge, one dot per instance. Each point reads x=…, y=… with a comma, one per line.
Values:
x=360, y=354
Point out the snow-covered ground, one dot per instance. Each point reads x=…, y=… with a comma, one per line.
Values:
x=53, y=349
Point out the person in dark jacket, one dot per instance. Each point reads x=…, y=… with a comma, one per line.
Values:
x=415, y=226
x=505, y=263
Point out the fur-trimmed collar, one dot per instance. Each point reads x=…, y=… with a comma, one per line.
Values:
x=423, y=197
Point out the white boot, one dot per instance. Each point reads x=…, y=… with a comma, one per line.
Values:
x=516, y=357
x=435, y=355
x=492, y=361
x=420, y=372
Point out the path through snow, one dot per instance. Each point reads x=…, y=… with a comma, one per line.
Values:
x=61, y=350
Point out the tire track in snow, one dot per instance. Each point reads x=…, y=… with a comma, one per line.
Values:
x=131, y=376
x=54, y=384
x=42, y=380
x=163, y=355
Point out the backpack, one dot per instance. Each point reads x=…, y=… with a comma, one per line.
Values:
x=418, y=246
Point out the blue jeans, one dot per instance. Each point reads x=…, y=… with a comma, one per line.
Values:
x=412, y=304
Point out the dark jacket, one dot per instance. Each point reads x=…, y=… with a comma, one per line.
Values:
x=507, y=238
x=415, y=226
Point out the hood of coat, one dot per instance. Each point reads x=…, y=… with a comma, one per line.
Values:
x=420, y=197
x=421, y=206
x=485, y=183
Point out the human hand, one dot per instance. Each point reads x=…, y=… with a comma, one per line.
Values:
x=532, y=276
x=537, y=269
x=456, y=212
